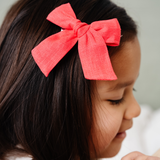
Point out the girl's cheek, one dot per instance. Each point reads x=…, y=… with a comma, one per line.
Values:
x=105, y=128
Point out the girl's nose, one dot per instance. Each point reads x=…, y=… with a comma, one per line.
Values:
x=133, y=109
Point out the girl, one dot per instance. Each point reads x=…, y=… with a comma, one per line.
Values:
x=65, y=101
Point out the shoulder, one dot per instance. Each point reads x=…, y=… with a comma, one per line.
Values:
x=18, y=158
x=18, y=154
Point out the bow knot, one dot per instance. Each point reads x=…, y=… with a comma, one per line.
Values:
x=81, y=28
x=92, y=40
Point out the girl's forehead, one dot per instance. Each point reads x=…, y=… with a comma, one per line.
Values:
x=126, y=60
x=126, y=64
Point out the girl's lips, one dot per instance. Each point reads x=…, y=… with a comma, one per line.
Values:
x=121, y=135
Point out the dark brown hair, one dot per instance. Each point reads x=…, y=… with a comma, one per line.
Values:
x=49, y=117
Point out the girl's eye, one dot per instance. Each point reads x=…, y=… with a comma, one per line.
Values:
x=116, y=102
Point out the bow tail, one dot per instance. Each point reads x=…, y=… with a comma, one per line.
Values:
x=51, y=50
x=94, y=57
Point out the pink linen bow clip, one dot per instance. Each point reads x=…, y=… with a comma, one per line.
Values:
x=92, y=40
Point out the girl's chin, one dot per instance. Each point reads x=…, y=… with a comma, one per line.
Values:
x=113, y=148
x=110, y=153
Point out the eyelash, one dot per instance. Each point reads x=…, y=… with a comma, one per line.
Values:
x=134, y=89
x=118, y=101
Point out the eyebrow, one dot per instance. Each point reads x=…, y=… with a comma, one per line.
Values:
x=122, y=85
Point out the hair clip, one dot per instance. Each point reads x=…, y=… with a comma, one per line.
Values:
x=92, y=44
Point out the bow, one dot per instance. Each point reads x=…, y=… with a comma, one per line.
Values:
x=92, y=40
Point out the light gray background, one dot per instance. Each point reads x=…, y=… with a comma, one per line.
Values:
x=147, y=15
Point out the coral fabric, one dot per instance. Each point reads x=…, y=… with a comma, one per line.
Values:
x=92, y=44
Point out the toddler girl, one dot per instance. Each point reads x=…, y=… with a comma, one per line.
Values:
x=66, y=82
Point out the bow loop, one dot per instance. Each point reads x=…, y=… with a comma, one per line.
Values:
x=92, y=40
x=63, y=16
x=109, y=30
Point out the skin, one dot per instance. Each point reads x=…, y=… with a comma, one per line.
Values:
x=139, y=156
x=114, y=103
